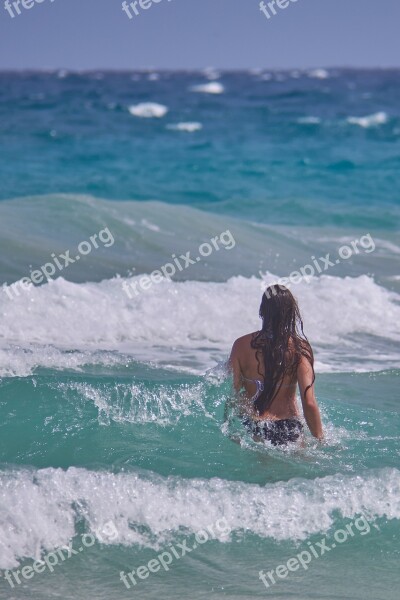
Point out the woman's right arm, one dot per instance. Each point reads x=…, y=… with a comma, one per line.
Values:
x=312, y=415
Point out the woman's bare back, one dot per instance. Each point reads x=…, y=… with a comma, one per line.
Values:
x=284, y=404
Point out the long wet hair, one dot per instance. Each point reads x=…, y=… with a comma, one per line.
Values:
x=280, y=344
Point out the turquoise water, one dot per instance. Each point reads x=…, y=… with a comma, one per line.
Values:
x=111, y=404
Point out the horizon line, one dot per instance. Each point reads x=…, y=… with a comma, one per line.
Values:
x=192, y=69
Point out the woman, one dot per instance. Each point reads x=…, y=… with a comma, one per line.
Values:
x=267, y=366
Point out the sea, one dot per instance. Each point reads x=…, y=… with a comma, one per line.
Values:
x=142, y=214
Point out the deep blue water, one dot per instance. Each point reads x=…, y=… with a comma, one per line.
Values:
x=255, y=155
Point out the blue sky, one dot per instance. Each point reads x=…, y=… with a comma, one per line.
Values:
x=90, y=34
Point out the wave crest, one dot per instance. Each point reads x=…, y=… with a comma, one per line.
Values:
x=149, y=510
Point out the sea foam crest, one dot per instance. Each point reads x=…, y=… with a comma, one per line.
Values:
x=319, y=74
x=199, y=319
x=213, y=87
x=40, y=508
x=379, y=118
x=136, y=403
x=148, y=110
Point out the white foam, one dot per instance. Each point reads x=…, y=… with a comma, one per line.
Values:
x=148, y=110
x=214, y=87
x=379, y=118
x=40, y=508
x=136, y=403
x=319, y=74
x=190, y=127
x=199, y=320
x=23, y=361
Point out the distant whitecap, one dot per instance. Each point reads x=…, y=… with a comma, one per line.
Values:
x=188, y=126
x=379, y=118
x=148, y=110
x=213, y=87
x=319, y=74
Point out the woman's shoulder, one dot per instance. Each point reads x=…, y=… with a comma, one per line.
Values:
x=245, y=340
x=242, y=347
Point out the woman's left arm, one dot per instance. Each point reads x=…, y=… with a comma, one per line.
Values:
x=234, y=368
